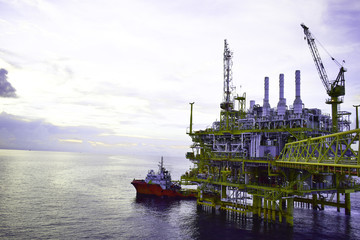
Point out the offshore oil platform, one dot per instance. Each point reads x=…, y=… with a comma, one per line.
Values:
x=261, y=161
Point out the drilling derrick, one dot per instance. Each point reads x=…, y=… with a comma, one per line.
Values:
x=227, y=104
x=261, y=161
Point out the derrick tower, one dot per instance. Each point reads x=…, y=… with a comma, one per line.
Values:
x=227, y=104
x=228, y=114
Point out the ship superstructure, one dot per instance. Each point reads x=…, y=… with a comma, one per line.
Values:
x=259, y=160
x=159, y=184
x=162, y=177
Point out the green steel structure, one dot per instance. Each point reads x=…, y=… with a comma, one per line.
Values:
x=263, y=161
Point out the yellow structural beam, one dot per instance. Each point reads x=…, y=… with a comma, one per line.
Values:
x=330, y=150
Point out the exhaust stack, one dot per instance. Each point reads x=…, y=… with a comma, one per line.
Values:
x=266, y=105
x=297, y=102
x=281, y=107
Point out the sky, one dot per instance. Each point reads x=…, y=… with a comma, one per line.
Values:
x=118, y=76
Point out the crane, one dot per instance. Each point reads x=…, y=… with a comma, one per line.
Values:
x=336, y=88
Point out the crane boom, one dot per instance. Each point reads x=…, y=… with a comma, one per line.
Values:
x=317, y=59
x=336, y=88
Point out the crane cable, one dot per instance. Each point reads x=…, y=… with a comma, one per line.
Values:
x=332, y=58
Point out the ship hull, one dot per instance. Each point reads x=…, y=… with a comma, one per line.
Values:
x=143, y=188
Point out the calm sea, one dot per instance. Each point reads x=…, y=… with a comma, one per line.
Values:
x=54, y=195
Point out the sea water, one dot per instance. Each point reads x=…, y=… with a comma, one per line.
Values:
x=56, y=195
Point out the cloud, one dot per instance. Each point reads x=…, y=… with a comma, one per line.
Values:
x=6, y=90
x=18, y=132
x=11, y=58
x=71, y=140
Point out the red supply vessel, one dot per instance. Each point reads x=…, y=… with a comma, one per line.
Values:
x=160, y=184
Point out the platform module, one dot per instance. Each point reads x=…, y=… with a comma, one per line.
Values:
x=261, y=161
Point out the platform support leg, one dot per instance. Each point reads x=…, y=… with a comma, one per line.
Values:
x=273, y=211
x=265, y=209
x=314, y=198
x=259, y=206
x=223, y=191
x=290, y=211
x=347, y=204
x=280, y=211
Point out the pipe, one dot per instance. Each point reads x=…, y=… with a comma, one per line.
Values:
x=191, y=113
x=357, y=116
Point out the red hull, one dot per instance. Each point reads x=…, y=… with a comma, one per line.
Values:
x=154, y=189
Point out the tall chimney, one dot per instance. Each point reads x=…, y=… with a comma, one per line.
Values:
x=266, y=105
x=297, y=101
x=281, y=107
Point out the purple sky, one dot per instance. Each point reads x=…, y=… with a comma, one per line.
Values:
x=118, y=76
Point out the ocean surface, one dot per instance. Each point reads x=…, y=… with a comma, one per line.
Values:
x=56, y=195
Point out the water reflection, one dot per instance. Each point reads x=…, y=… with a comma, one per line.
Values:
x=155, y=203
x=223, y=225
x=187, y=221
x=184, y=220
x=160, y=218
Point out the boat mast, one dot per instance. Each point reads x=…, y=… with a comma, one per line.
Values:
x=161, y=165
